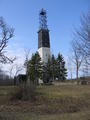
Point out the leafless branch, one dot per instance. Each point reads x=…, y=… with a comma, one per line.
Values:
x=6, y=33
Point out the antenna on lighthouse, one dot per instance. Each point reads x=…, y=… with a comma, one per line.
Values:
x=43, y=20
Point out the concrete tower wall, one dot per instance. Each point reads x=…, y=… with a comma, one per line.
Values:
x=44, y=53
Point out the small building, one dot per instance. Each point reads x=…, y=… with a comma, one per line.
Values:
x=20, y=79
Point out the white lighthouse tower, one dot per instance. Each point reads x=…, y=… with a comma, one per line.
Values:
x=43, y=37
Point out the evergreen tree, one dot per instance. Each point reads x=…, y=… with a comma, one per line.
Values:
x=53, y=67
x=34, y=68
x=47, y=73
x=61, y=70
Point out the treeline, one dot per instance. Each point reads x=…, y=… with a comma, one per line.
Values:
x=5, y=79
x=54, y=69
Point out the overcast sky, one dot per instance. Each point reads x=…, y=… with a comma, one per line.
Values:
x=63, y=16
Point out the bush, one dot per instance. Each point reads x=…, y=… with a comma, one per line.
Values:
x=24, y=92
x=84, y=82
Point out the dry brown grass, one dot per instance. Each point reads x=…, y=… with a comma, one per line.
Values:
x=50, y=103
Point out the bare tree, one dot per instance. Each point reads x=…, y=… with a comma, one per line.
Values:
x=6, y=33
x=27, y=58
x=83, y=36
x=85, y=68
x=81, y=43
x=70, y=67
x=18, y=69
x=77, y=57
x=10, y=71
x=15, y=69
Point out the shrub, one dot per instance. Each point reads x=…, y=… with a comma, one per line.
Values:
x=84, y=82
x=24, y=92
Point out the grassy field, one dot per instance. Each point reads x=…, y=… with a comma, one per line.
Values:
x=51, y=103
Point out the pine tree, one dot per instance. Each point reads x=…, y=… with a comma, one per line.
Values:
x=61, y=70
x=34, y=68
x=53, y=67
x=47, y=73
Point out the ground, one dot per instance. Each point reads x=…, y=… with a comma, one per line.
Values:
x=66, y=102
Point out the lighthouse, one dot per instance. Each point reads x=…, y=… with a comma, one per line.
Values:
x=43, y=37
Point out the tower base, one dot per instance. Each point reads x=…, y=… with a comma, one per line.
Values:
x=44, y=53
